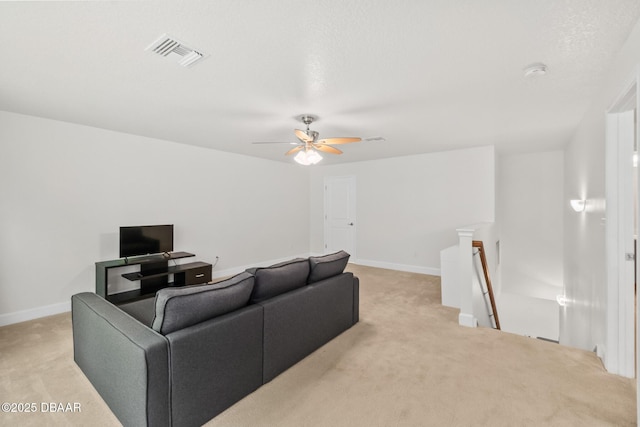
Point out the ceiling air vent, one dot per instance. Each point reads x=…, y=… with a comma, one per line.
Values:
x=171, y=47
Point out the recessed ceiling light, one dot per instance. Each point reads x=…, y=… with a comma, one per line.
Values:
x=536, y=69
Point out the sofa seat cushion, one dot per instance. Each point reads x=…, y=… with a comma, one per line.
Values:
x=299, y=322
x=323, y=267
x=279, y=278
x=177, y=308
x=142, y=310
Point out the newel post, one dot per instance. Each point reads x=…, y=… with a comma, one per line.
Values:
x=465, y=277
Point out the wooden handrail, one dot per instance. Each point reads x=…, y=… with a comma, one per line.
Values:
x=478, y=244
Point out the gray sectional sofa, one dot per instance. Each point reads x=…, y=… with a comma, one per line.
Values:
x=187, y=355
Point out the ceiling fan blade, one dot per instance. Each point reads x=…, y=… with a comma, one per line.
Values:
x=294, y=150
x=335, y=141
x=326, y=148
x=302, y=136
x=374, y=138
x=274, y=142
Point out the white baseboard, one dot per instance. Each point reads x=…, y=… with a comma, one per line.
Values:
x=399, y=267
x=465, y=319
x=34, y=313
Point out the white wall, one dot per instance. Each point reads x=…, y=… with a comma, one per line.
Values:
x=530, y=211
x=583, y=323
x=408, y=208
x=66, y=189
x=531, y=317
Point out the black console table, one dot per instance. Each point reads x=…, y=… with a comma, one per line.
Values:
x=153, y=275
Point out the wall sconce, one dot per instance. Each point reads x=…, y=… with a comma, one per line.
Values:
x=578, y=205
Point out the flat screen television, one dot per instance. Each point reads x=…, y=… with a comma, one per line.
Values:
x=145, y=239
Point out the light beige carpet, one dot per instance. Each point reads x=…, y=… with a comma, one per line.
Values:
x=407, y=363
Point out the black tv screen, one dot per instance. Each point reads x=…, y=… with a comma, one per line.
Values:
x=145, y=239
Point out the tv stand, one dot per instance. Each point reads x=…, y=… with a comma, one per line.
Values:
x=153, y=275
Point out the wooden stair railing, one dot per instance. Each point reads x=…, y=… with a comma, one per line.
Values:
x=478, y=244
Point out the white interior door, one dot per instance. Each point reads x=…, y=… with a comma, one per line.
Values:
x=340, y=214
x=626, y=127
x=620, y=357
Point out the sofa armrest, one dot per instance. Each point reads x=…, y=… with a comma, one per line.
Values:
x=127, y=362
x=356, y=300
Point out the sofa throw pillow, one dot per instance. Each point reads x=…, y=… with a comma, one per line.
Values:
x=323, y=267
x=177, y=308
x=279, y=278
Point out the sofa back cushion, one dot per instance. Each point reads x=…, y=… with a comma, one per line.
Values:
x=177, y=308
x=279, y=278
x=323, y=267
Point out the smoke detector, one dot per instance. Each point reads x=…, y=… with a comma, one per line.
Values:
x=536, y=69
x=171, y=47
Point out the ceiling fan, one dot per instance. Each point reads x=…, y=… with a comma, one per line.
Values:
x=309, y=144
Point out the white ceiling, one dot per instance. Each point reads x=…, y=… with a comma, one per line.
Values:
x=428, y=75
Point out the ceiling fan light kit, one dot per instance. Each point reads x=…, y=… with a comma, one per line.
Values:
x=308, y=157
